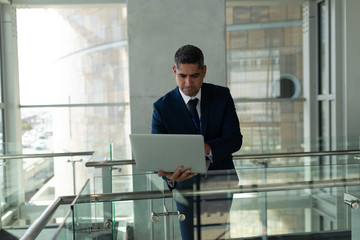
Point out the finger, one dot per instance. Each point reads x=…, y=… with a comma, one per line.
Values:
x=175, y=175
x=186, y=175
x=162, y=173
x=192, y=175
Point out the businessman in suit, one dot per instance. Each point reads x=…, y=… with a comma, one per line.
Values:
x=195, y=107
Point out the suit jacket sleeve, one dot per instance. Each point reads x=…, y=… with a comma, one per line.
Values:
x=229, y=138
x=158, y=125
x=222, y=131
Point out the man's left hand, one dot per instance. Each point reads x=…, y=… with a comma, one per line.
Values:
x=178, y=175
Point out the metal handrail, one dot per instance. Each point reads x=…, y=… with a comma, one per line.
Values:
x=35, y=228
x=268, y=187
x=297, y=154
x=44, y=155
x=237, y=157
x=109, y=163
x=40, y=223
x=251, y=100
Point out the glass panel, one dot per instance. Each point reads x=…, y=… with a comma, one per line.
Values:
x=303, y=201
x=19, y=227
x=1, y=126
x=220, y=213
x=301, y=207
x=258, y=54
x=89, y=128
x=324, y=123
x=32, y=183
x=323, y=79
x=3, y=199
x=287, y=214
x=64, y=231
x=2, y=162
x=270, y=125
x=87, y=75
x=82, y=215
x=82, y=60
x=265, y=63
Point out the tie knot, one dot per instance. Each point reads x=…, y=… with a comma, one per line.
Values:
x=193, y=102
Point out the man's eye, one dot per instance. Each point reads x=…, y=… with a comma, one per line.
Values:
x=195, y=75
x=181, y=75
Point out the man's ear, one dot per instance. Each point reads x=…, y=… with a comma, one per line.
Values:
x=174, y=69
x=204, y=70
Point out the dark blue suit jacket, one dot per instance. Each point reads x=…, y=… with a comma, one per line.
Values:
x=219, y=122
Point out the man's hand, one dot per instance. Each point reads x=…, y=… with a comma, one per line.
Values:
x=179, y=175
x=207, y=148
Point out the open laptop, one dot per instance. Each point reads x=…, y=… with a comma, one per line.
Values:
x=166, y=152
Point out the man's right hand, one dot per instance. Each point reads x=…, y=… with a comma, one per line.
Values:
x=178, y=175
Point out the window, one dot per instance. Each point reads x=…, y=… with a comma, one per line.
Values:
x=73, y=77
x=265, y=68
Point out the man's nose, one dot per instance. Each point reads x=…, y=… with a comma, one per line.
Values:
x=188, y=80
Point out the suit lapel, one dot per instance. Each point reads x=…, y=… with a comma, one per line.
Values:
x=205, y=107
x=183, y=111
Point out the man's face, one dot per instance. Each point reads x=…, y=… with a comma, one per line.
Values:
x=189, y=78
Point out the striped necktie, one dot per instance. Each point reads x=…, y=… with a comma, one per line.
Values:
x=194, y=114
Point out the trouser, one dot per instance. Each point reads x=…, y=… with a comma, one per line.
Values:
x=186, y=207
x=210, y=204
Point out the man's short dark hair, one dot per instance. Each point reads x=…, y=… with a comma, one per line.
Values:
x=189, y=54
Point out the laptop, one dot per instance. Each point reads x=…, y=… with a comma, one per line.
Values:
x=166, y=152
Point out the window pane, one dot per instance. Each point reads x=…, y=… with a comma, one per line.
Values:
x=1, y=127
x=76, y=129
x=2, y=168
x=271, y=126
x=324, y=124
x=72, y=55
x=265, y=61
x=323, y=79
x=77, y=57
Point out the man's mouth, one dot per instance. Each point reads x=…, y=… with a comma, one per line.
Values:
x=188, y=88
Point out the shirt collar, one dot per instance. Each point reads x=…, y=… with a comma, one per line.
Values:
x=187, y=98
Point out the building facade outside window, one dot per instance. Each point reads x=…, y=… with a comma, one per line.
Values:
x=264, y=58
x=74, y=90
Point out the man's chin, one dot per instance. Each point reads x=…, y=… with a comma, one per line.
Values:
x=189, y=93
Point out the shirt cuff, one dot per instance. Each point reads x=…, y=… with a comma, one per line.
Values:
x=171, y=184
x=209, y=156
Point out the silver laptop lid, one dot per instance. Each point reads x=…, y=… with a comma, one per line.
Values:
x=166, y=152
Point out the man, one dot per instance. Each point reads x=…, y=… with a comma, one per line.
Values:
x=214, y=117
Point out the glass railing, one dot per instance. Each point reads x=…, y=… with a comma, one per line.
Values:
x=249, y=203
x=64, y=230
x=288, y=194
x=30, y=182
x=268, y=144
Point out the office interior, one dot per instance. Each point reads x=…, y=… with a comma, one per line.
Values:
x=77, y=77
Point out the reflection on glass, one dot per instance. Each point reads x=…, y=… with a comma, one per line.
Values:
x=264, y=43
x=2, y=166
x=271, y=126
x=72, y=55
x=82, y=61
x=85, y=128
x=324, y=124
x=323, y=79
x=290, y=211
x=1, y=126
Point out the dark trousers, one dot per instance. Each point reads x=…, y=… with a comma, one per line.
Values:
x=209, y=204
x=186, y=207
